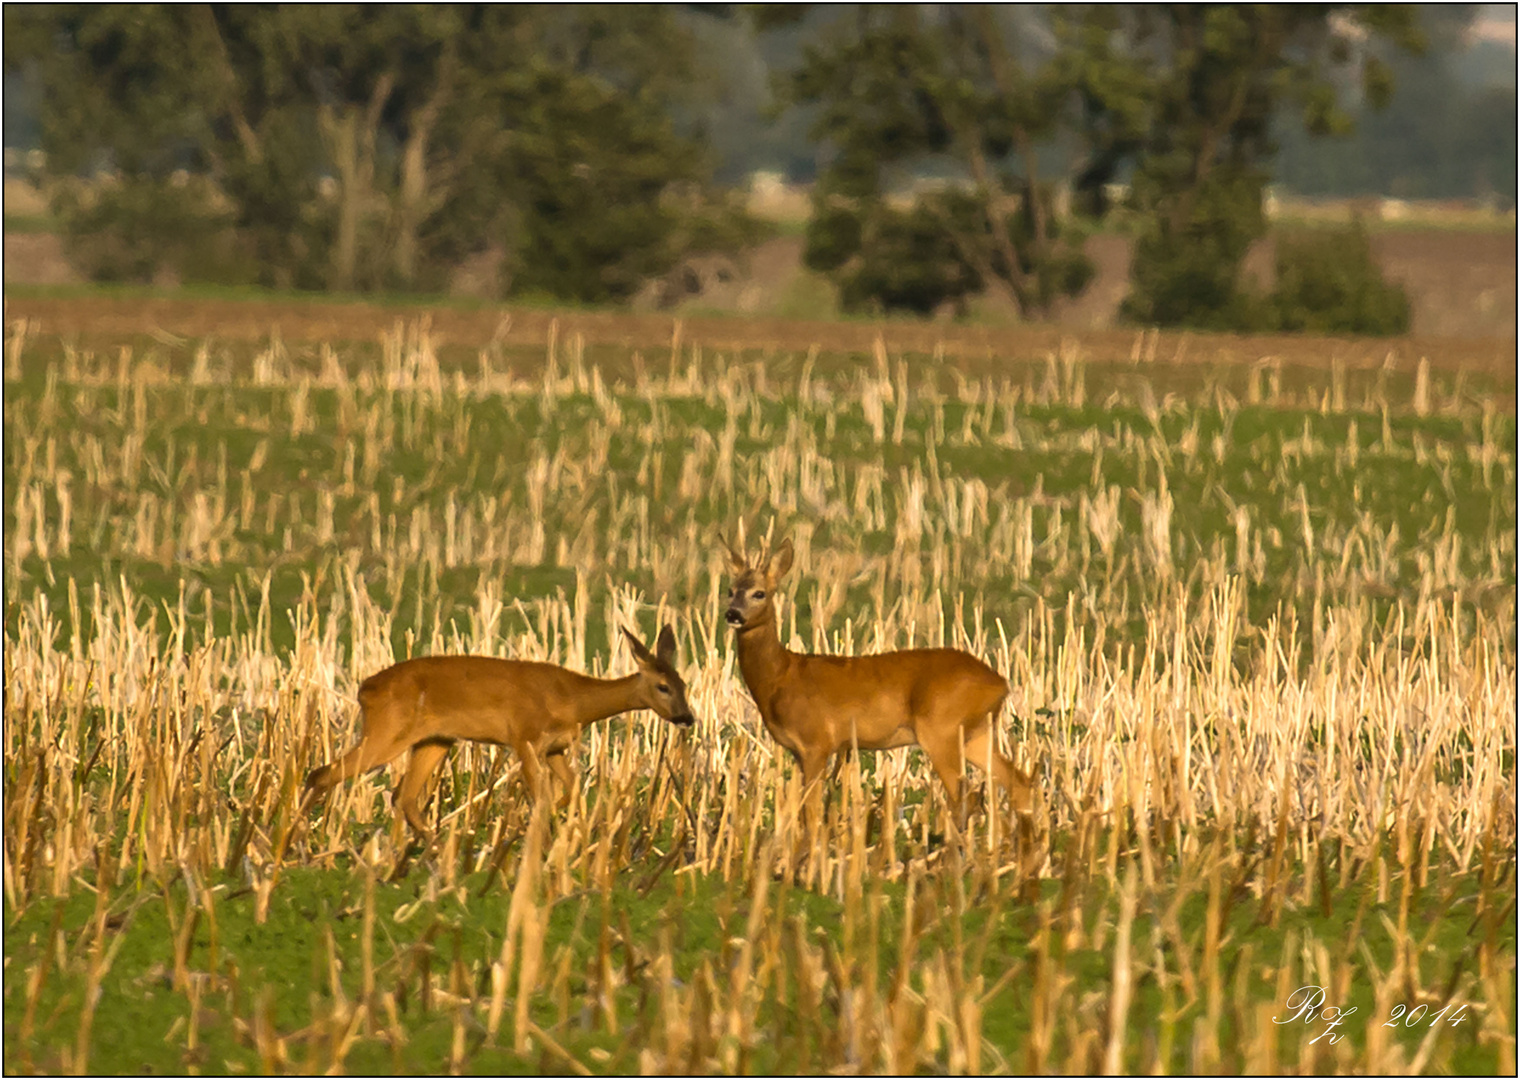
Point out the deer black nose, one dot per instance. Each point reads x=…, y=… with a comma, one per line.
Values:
x=734, y=618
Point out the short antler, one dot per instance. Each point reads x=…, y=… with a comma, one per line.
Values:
x=736, y=559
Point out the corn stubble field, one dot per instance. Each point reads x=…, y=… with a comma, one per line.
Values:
x=1260, y=639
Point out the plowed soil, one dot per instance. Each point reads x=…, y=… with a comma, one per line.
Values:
x=95, y=320
x=1461, y=286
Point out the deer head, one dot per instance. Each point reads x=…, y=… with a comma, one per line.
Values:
x=660, y=685
x=750, y=600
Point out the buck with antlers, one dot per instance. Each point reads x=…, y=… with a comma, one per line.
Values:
x=427, y=704
x=943, y=700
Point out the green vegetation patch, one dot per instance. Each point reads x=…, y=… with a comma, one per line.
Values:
x=380, y=976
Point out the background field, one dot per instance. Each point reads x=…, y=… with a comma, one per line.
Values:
x=1459, y=276
x=1255, y=598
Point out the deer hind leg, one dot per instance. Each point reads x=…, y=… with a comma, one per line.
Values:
x=944, y=750
x=426, y=757
x=981, y=753
x=370, y=753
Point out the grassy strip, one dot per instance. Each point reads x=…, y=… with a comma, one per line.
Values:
x=1230, y=962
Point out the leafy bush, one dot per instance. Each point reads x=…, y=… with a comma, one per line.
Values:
x=1063, y=269
x=132, y=229
x=887, y=259
x=710, y=220
x=883, y=258
x=1328, y=283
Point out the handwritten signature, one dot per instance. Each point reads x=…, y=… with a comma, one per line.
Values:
x=1307, y=1003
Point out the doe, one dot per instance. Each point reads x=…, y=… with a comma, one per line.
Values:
x=428, y=703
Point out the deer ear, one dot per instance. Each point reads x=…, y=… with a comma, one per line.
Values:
x=783, y=561
x=665, y=646
x=642, y=655
x=736, y=562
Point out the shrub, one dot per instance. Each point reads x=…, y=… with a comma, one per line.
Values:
x=907, y=263
x=1328, y=283
x=132, y=229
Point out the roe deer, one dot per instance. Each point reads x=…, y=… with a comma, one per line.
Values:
x=943, y=700
x=428, y=703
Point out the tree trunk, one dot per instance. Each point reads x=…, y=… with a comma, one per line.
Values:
x=233, y=102
x=350, y=139
x=415, y=199
x=991, y=193
x=342, y=144
x=409, y=209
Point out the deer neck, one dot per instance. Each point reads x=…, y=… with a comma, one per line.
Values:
x=601, y=698
x=762, y=659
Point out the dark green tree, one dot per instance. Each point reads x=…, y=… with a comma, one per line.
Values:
x=592, y=171
x=1187, y=94
x=901, y=90
x=363, y=147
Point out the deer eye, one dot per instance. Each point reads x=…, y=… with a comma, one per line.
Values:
x=758, y=594
x=662, y=688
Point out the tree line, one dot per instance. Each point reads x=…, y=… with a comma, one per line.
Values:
x=360, y=148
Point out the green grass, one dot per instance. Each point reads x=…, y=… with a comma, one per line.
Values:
x=298, y=975
x=296, y=297
x=1310, y=798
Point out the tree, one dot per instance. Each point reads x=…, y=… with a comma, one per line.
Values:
x=364, y=147
x=902, y=89
x=155, y=93
x=1187, y=94
x=593, y=169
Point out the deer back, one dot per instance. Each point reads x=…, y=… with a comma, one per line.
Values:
x=479, y=698
x=881, y=701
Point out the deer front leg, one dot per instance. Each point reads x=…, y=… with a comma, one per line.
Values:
x=559, y=765
x=981, y=753
x=841, y=762
x=813, y=762
x=944, y=750
x=532, y=775
x=371, y=752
